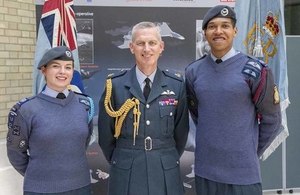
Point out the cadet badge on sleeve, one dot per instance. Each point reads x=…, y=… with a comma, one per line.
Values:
x=22, y=144
x=276, y=95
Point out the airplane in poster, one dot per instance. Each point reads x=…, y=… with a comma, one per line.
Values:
x=165, y=30
x=83, y=39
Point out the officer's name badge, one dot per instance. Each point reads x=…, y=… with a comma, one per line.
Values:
x=168, y=102
x=168, y=92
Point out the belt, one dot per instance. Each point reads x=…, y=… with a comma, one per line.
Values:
x=146, y=144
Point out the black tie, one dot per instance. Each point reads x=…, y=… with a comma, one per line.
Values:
x=61, y=96
x=218, y=61
x=147, y=88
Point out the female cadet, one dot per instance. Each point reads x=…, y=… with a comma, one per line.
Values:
x=49, y=133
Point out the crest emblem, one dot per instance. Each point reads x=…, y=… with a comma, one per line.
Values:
x=271, y=25
x=276, y=95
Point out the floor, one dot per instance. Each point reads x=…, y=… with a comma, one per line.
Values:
x=11, y=182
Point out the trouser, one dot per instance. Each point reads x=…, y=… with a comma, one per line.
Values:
x=81, y=191
x=208, y=187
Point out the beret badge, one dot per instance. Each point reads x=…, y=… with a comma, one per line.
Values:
x=69, y=54
x=224, y=11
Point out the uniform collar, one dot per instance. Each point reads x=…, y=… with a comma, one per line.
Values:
x=232, y=52
x=52, y=93
x=141, y=76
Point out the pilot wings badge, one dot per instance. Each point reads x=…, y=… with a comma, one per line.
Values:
x=168, y=92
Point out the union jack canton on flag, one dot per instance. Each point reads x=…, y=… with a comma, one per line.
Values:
x=57, y=27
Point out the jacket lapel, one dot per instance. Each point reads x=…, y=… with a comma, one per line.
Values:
x=157, y=86
x=133, y=85
x=156, y=89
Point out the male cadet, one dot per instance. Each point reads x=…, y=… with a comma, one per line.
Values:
x=143, y=122
x=235, y=105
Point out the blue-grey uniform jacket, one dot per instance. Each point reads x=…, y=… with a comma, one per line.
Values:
x=138, y=169
x=47, y=141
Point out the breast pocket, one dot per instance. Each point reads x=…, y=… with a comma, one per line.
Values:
x=167, y=119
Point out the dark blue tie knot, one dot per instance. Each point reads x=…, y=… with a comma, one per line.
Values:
x=147, y=88
x=218, y=61
x=61, y=96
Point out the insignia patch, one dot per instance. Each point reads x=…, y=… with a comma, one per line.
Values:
x=252, y=69
x=22, y=144
x=168, y=92
x=250, y=73
x=85, y=102
x=224, y=12
x=23, y=101
x=168, y=102
x=74, y=88
x=16, y=130
x=12, y=113
x=276, y=95
x=8, y=139
x=69, y=54
x=254, y=64
x=13, y=109
x=9, y=124
x=11, y=118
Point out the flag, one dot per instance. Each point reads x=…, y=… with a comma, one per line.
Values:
x=57, y=27
x=261, y=29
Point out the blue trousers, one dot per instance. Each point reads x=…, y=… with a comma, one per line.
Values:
x=208, y=187
x=81, y=191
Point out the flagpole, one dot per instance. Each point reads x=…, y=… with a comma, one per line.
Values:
x=284, y=166
x=62, y=20
x=284, y=142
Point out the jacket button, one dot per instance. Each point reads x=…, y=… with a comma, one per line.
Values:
x=147, y=122
x=147, y=106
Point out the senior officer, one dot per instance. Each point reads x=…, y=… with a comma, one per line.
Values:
x=143, y=125
x=235, y=105
x=49, y=133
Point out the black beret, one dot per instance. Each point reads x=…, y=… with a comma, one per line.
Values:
x=56, y=53
x=222, y=11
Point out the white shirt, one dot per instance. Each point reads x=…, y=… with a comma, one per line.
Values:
x=141, y=77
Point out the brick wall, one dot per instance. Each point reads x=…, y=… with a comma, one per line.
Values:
x=17, y=45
